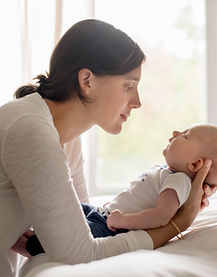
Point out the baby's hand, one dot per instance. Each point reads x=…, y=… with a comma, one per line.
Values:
x=114, y=220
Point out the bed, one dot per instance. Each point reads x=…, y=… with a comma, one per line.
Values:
x=196, y=255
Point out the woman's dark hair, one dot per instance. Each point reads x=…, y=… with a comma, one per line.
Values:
x=91, y=44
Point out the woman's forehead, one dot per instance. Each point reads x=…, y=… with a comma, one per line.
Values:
x=134, y=74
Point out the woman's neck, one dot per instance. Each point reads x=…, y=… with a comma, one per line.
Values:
x=70, y=118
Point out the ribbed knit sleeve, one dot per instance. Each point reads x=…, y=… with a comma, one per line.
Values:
x=36, y=164
x=75, y=163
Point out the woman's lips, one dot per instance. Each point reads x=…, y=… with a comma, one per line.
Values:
x=124, y=117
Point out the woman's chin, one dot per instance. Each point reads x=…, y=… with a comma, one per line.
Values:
x=114, y=130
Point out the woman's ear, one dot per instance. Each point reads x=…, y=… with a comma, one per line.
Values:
x=196, y=165
x=84, y=79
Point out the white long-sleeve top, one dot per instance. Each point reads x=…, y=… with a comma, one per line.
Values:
x=75, y=163
x=36, y=190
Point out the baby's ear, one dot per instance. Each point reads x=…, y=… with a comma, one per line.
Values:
x=196, y=165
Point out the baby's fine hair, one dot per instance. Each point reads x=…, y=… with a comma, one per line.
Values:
x=210, y=140
x=210, y=151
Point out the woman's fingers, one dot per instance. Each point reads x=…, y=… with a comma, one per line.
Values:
x=205, y=202
x=28, y=234
x=202, y=173
x=208, y=191
x=190, y=209
x=204, y=191
x=194, y=202
x=20, y=247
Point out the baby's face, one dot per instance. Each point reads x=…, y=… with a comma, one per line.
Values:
x=183, y=148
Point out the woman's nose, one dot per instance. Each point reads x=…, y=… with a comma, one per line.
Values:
x=135, y=102
x=136, y=105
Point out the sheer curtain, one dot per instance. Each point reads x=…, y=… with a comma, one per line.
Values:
x=211, y=54
x=29, y=30
x=27, y=37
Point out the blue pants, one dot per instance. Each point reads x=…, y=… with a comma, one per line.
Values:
x=97, y=222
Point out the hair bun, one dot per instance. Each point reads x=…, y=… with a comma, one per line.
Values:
x=29, y=89
x=42, y=79
x=25, y=90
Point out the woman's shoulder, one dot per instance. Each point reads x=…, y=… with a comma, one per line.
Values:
x=31, y=108
x=28, y=113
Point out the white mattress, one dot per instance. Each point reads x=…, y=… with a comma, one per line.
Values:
x=196, y=255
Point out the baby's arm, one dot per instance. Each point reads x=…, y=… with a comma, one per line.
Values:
x=166, y=207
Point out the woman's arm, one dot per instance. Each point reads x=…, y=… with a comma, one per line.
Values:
x=159, y=235
x=187, y=213
x=166, y=207
x=35, y=163
x=37, y=169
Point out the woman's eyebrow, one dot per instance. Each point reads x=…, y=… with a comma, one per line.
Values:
x=133, y=79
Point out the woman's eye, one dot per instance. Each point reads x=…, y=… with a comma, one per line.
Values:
x=129, y=87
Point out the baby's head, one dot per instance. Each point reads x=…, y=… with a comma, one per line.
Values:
x=187, y=150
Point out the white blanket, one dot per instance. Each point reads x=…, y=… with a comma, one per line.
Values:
x=196, y=255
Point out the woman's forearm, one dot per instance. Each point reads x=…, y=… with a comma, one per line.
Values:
x=162, y=235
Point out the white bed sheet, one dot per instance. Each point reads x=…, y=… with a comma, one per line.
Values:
x=196, y=255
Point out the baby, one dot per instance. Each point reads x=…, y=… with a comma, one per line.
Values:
x=153, y=199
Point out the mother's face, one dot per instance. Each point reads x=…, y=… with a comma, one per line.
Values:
x=113, y=98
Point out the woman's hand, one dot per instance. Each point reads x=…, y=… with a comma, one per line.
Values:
x=197, y=199
x=208, y=191
x=187, y=213
x=20, y=245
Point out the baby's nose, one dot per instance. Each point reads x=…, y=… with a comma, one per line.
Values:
x=176, y=133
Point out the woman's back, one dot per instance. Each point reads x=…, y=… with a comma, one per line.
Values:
x=13, y=222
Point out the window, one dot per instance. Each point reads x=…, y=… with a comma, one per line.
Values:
x=179, y=40
x=172, y=89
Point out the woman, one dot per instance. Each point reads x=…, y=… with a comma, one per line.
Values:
x=94, y=73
